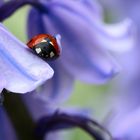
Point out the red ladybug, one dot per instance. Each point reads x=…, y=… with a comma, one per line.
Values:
x=46, y=46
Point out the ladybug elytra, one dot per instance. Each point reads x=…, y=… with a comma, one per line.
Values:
x=46, y=46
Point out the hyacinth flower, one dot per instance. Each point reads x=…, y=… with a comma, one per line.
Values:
x=105, y=75
x=86, y=41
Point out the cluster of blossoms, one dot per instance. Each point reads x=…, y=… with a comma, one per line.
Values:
x=87, y=43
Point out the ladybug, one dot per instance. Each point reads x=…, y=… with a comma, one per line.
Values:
x=46, y=46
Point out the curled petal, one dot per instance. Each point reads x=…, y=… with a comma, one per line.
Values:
x=73, y=110
x=117, y=37
x=22, y=70
x=123, y=36
x=59, y=121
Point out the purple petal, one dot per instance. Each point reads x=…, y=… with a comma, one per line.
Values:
x=1, y=2
x=39, y=108
x=36, y=106
x=128, y=126
x=53, y=91
x=81, y=56
x=22, y=70
x=38, y=28
x=118, y=37
x=59, y=87
x=94, y=8
x=125, y=32
x=77, y=111
x=6, y=129
x=84, y=46
x=93, y=62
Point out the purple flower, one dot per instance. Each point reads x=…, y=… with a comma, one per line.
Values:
x=86, y=40
x=20, y=70
x=86, y=44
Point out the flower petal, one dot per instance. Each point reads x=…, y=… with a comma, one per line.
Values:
x=39, y=108
x=87, y=42
x=1, y=2
x=52, y=92
x=123, y=36
x=6, y=129
x=74, y=110
x=129, y=126
x=119, y=37
x=36, y=106
x=22, y=70
x=92, y=63
x=84, y=8
x=93, y=7
x=34, y=29
x=59, y=87
x=81, y=56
